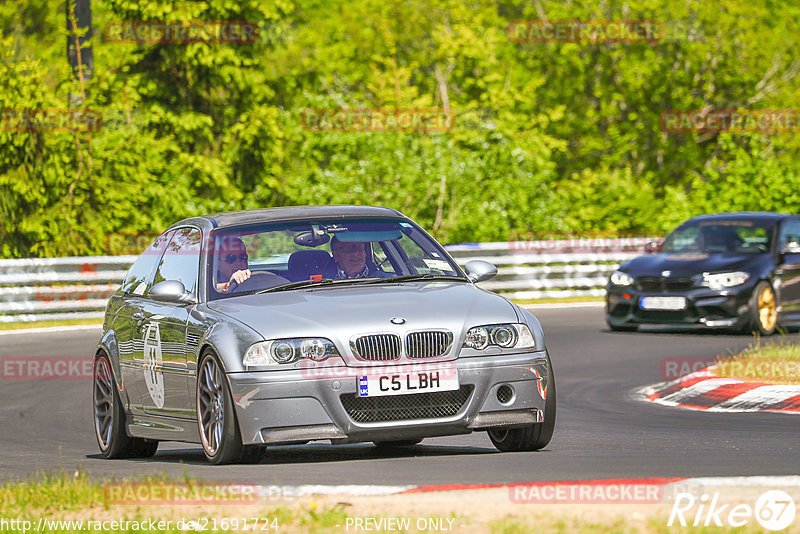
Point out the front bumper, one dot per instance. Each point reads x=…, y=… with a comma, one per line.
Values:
x=295, y=406
x=708, y=307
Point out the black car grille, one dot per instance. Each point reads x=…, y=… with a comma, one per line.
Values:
x=377, y=347
x=433, y=405
x=655, y=284
x=430, y=344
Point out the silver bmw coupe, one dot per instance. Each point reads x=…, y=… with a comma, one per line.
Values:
x=250, y=329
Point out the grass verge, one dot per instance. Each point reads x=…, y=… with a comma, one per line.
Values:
x=43, y=324
x=559, y=300
x=777, y=362
x=76, y=502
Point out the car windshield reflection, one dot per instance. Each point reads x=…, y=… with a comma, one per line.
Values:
x=292, y=255
x=725, y=237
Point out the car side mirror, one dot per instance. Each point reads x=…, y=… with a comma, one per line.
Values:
x=653, y=247
x=480, y=271
x=170, y=291
x=791, y=247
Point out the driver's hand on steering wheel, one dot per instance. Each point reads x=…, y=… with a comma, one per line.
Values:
x=238, y=277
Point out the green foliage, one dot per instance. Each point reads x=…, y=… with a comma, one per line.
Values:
x=548, y=137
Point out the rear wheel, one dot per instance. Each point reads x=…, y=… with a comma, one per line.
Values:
x=532, y=437
x=763, y=311
x=219, y=431
x=109, y=418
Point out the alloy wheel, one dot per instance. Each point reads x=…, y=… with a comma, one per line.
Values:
x=767, y=312
x=103, y=393
x=211, y=405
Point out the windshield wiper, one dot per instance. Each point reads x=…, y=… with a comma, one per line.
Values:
x=308, y=283
x=417, y=277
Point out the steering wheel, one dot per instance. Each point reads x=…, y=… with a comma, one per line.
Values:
x=257, y=280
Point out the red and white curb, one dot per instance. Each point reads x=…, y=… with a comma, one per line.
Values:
x=791, y=481
x=702, y=390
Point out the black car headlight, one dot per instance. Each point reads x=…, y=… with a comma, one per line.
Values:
x=619, y=278
x=283, y=351
x=507, y=336
x=723, y=280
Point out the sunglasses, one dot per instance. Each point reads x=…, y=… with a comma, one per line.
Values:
x=231, y=258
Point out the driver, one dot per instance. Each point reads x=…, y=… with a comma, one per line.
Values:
x=231, y=263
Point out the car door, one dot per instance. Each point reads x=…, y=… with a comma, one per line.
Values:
x=165, y=372
x=129, y=319
x=787, y=271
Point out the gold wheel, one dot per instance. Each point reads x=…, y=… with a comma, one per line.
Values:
x=767, y=312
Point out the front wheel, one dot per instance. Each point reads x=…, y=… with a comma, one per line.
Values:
x=109, y=417
x=531, y=437
x=219, y=431
x=763, y=311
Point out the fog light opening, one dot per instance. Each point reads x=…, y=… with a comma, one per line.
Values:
x=505, y=394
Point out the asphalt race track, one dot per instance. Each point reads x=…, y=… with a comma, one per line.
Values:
x=602, y=432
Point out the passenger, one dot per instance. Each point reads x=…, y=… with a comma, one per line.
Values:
x=350, y=261
x=231, y=263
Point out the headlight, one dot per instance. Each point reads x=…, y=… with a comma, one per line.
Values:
x=507, y=336
x=618, y=278
x=721, y=280
x=281, y=351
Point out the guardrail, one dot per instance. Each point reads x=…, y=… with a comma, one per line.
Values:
x=41, y=289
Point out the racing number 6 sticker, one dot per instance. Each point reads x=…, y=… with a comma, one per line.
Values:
x=153, y=360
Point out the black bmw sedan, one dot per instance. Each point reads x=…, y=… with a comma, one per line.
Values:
x=738, y=271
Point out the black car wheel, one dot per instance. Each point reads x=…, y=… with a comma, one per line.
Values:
x=109, y=417
x=219, y=431
x=763, y=310
x=532, y=437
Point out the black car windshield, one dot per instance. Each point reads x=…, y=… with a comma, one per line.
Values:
x=283, y=256
x=720, y=236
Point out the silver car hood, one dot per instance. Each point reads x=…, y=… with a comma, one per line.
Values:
x=339, y=313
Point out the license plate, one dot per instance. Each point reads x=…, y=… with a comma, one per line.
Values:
x=662, y=303
x=380, y=385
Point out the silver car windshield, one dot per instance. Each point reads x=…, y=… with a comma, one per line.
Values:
x=348, y=252
x=726, y=237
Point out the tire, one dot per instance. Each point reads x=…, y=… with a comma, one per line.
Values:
x=623, y=328
x=216, y=418
x=532, y=437
x=763, y=311
x=109, y=417
x=396, y=443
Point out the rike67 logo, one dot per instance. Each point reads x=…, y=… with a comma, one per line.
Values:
x=774, y=510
